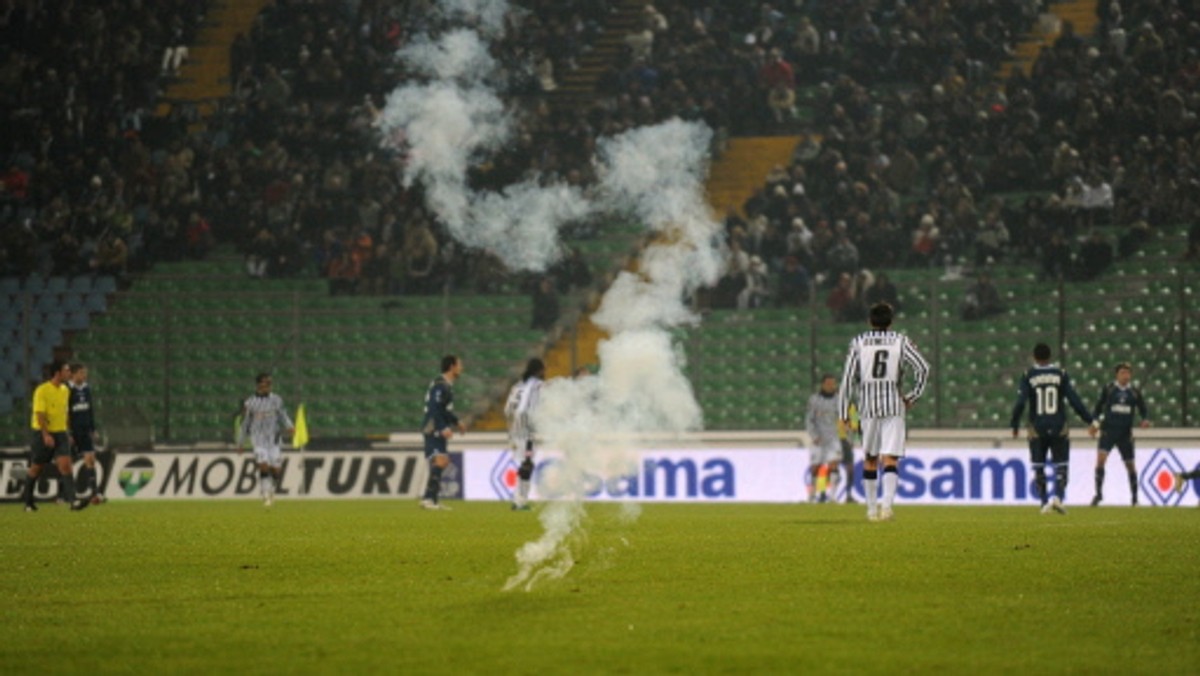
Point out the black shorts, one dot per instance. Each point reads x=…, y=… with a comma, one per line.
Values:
x=1123, y=442
x=43, y=454
x=1058, y=448
x=83, y=442
x=435, y=444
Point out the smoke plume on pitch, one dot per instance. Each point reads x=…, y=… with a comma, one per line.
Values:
x=451, y=122
x=599, y=422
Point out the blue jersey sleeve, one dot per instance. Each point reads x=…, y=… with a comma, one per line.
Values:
x=1101, y=402
x=1023, y=391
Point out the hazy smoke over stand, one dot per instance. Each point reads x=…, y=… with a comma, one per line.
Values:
x=453, y=121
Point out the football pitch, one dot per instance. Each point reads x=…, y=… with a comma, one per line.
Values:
x=383, y=587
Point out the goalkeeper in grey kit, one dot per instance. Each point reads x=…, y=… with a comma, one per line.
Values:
x=518, y=409
x=821, y=423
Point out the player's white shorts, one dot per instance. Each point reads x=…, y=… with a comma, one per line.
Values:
x=521, y=447
x=270, y=455
x=884, y=436
x=819, y=454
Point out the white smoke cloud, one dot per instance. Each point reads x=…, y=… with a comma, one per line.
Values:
x=487, y=16
x=521, y=224
x=454, y=121
x=598, y=422
x=459, y=55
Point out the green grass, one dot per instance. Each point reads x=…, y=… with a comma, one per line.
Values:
x=346, y=587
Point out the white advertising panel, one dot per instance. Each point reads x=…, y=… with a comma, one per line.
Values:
x=927, y=476
x=775, y=475
x=150, y=476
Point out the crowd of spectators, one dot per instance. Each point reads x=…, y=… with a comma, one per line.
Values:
x=910, y=163
x=289, y=169
x=90, y=179
x=912, y=140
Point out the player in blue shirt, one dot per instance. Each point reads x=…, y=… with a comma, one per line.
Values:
x=83, y=430
x=1114, y=418
x=1044, y=386
x=438, y=426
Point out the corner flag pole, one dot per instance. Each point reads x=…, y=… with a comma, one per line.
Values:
x=299, y=442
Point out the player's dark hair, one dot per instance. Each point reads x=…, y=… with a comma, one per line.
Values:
x=535, y=367
x=55, y=367
x=448, y=362
x=262, y=375
x=77, y=365
x=1041, y=352
x=827, y=376
x=1123, y=365
x=881, y=315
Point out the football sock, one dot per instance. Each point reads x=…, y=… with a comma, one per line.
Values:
x=1133, y=482
x=835, y=478
x=890, y=479
x=68, y=486
x=264, y=482
x=433, y=486
x=1060, y=480
x=822, y=479
x=91, y=480
x=522, y=491
x=27, y=489
x=1039, y=479
x=1099, y=482
x=869, y=478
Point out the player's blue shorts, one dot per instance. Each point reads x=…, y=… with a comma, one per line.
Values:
x=1056, y=446
x=83, y=442
x=435, y=444
x=1122, y=440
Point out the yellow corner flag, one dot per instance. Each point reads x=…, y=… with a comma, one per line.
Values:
x=300, y=438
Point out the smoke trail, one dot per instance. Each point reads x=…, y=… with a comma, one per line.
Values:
x=459, y=55
x=597, y=422
x=486, y=15
x=454, y=121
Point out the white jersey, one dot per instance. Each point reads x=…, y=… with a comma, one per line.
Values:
x=874, y=364
x=263, y=420
x=522, y=400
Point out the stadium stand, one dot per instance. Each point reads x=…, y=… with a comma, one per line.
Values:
x=932, y=145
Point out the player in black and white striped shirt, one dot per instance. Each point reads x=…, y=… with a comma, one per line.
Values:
x=522, y=400
x=264, y=420
x=873, y=375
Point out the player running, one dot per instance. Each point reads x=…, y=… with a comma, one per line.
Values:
x=262, y=417
x=875, y=362
x=522, y=400
x=1113, y=415
x=1047, y=384
x=439, y=426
